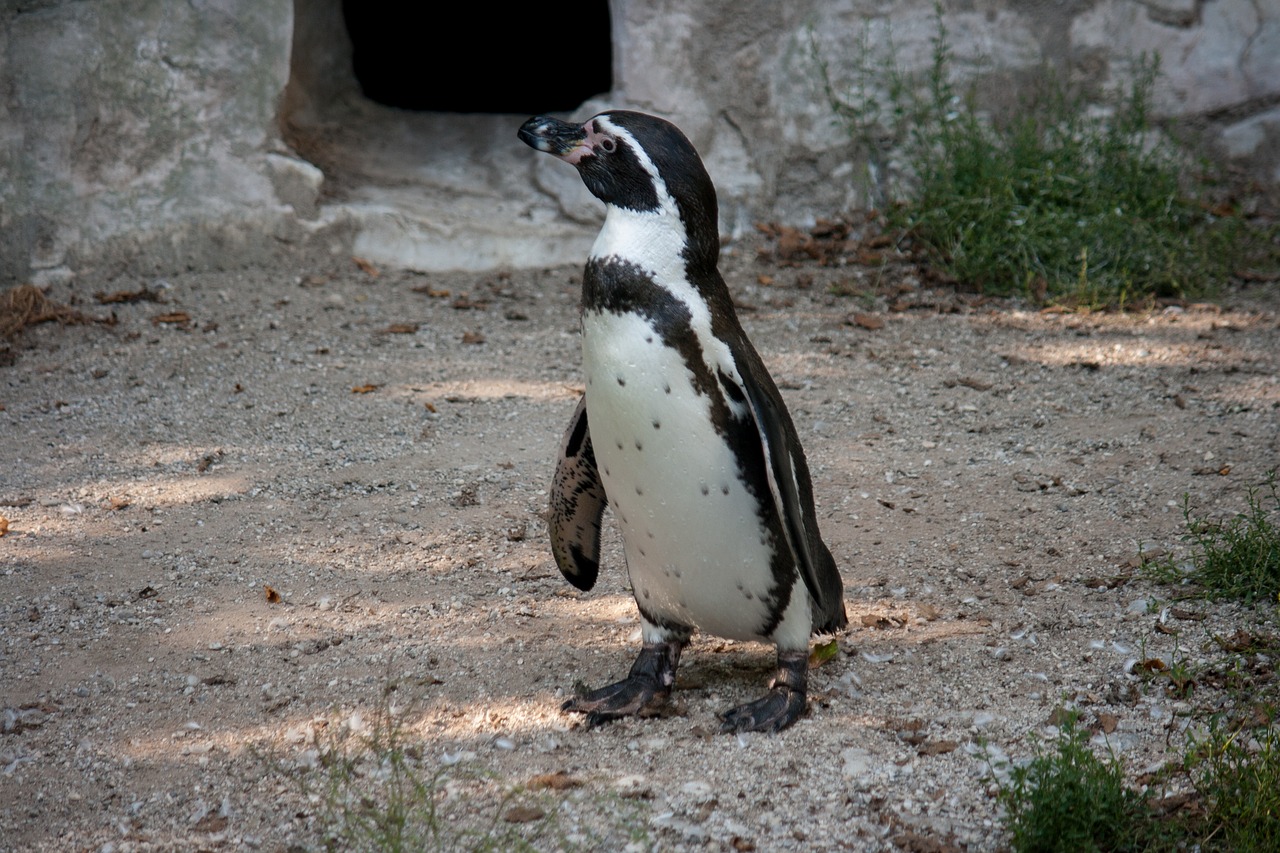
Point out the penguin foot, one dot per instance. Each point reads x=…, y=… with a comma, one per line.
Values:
x=773, y=712
x=781, y=706
x=644, y=689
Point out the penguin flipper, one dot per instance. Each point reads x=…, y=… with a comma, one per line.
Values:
x=577, y=505
x=792, y=491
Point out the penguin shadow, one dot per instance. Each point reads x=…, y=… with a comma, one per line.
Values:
x=716, y=674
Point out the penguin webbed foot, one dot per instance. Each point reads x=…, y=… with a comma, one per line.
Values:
x=641, y=693
x=784, y=703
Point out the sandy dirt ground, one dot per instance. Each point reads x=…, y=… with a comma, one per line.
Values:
x=255, y=519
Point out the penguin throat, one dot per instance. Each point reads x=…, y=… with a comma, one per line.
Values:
x=653, y=240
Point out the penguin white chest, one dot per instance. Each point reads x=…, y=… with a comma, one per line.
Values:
x=698, y=551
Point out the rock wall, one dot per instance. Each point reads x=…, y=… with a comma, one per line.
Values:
x=743, y=79
x=132, y=124
x=149, y=131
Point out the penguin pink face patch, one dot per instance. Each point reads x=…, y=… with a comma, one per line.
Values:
x=595, y=141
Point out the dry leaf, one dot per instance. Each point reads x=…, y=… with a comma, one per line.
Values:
x=119, y=503
x=464, y=302
x=212, y=822
x=1179, y=613
x=557, y=781
x=364, y=389
x=928, y=612
x=1240, y=641
x=4, y=525
x=1153, y=665
x=866, y=321
x=129, y=296
x=366, y=266
x=177, y=318
x=401, y=329
x=472, y=337
x=974, y=383
x=523, y=814
x=765, y=280
x=937, y=747
x=430, y=407
x=273, y=597
x=1107, y=723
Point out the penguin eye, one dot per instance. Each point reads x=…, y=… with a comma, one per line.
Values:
x=607, y=145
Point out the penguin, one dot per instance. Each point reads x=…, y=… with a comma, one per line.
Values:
x=682, y=433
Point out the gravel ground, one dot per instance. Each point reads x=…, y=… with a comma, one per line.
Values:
x=239, y=515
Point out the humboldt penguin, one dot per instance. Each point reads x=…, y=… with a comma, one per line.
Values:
x=681, y=432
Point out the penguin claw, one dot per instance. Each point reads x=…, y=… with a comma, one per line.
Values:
x=644, y=690
x=773, y=712
x=633, y=695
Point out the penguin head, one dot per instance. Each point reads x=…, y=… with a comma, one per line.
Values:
x=636, y=162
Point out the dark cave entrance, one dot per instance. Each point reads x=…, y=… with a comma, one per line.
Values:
x=517, y=59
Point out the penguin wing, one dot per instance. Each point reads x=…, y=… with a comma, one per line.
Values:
x=577, y=505
x=792, y=490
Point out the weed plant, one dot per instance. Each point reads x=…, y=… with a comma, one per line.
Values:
x=1068, y=799
x=1237, y=772
x=1238, y=558
x=376, y=794
x=1052, y=201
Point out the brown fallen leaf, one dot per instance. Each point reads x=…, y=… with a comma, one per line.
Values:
x=1179, y=613
x=1240, y=641
x=218, y=680
x=464, y=302
x=129, y=296
x=974, y=383
x=1153, y=665
x=523, y=814
x=1107, y=723
x=430, y=407
x=212, y=822
x=433, y=292
x=273, y=597
x=473, y=337
x=557, y=781
x=937, y=747
x=928, y=612
x=364, y=389
x=1059, y=716
x=401, y=329
x=4, y=525
x=866, y=321
x=172, y=318
x=365, y=266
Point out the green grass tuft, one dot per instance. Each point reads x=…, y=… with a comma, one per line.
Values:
x=1238, y=558
x=1238, y=775
x=1053, y=201
x=373, y=790
x=1068, y=799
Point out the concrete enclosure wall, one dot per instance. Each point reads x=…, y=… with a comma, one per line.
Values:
x=154, y=131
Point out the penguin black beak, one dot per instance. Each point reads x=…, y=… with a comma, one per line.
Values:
x=559, y=138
